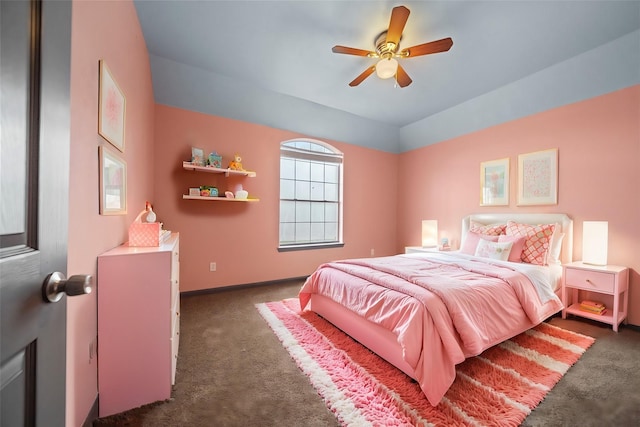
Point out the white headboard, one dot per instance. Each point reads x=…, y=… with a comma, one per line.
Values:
x=566, y=254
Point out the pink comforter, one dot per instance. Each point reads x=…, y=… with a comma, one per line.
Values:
x=441, y=312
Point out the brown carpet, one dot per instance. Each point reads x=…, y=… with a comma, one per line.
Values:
x=233, y=371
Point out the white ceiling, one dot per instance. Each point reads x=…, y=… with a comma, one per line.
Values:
x=284, y=47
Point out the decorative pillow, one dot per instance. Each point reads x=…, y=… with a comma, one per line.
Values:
x=494, y=250
x=537, y=243
x=487, y=230
x=516, y=249
x=471, y=242
x=555, y=247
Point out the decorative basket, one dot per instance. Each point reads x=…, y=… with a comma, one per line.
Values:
x=144, y=233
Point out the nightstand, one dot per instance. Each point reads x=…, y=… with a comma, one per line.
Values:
x=419, y=249
x=607, y=280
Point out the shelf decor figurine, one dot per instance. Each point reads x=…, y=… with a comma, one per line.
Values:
x=236, y=163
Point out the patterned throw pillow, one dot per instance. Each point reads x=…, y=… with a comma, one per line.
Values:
x=538, y=239
x=487, y=230
x=494, y=250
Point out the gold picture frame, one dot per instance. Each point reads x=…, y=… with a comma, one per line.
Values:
x=494, y=183
x=113, y=183
x=111, y=108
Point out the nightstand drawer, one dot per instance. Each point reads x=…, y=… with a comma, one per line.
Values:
x=590, y=280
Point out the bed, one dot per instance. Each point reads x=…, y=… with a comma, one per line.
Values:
x=426, y=312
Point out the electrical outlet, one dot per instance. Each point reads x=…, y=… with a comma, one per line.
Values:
x=212, y=266
x=373, y=252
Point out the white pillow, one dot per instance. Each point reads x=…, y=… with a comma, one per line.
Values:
x=555, y=247
x=494, y=250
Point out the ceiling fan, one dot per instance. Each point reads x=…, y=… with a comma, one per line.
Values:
x=387, y=49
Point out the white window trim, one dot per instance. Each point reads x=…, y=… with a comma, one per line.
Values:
x=335, y=156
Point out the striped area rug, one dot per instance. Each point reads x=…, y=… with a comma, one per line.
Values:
x=500, y=387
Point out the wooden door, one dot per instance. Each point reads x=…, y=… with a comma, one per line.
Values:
x=34, y=173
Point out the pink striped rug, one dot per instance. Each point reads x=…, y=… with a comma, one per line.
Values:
x=500, y=387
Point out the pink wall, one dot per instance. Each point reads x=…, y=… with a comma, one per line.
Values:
x=242, y=238
x=598, y=143
x=101, y=30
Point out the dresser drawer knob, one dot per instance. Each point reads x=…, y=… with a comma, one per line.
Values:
x=590, y=282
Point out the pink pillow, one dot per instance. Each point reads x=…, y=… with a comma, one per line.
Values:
x=516, y=248
x=488, y=230
x=538, y=239
x=471, y=242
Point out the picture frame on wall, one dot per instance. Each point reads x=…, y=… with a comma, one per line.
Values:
x=113, y=182
x=538, y=178
x=494, y=183
x=111, y=108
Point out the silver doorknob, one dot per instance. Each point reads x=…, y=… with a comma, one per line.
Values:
x=55, y=285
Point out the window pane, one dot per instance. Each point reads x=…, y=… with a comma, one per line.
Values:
x=303, y=190
x=331, y=231
x=317, y=171
x=287, y=189
x=331, y=212
x=317, y=231
x=317, y=191
x=332, y=173
x=303, y=211
x=303, y=232
x=331, y=192
x=305, y=145
x=287, y=211
x=317, y=212
x=303, y=170
x=287, y=233
x=287, y=168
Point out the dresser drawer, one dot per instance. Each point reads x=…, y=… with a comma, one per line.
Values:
x=590, y=280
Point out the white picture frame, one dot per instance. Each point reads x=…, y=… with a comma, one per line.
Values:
x=494, y=183
x=538, y=178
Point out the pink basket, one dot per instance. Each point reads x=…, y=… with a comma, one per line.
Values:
x=144, y=233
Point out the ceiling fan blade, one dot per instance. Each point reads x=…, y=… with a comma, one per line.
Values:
x=351, y=51
x=366, y=73
x=402, y=77
x=399, y=16
x=428, y=48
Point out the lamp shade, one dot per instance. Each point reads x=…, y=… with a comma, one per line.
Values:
x=386, y=68
x=595, y=236
x=429, y=233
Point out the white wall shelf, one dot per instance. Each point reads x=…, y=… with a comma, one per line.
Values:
x=218, y=199
x=208, y=169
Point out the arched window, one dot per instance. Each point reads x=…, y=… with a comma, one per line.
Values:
x=310, y=194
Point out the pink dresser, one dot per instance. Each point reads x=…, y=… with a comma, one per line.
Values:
x=138, y=325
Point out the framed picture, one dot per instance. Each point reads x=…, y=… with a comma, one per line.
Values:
x=197, y=156
x=113, y=183
x=538, y=178
x=111, y=109
x=494, y=183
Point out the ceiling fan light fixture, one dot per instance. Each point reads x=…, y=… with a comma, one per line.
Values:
x=386, y=68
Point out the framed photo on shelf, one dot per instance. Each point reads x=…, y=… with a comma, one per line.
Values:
x=111, y=109
x=113, y=183
x=197, y=156
x=538, y=178
x=494, y=183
